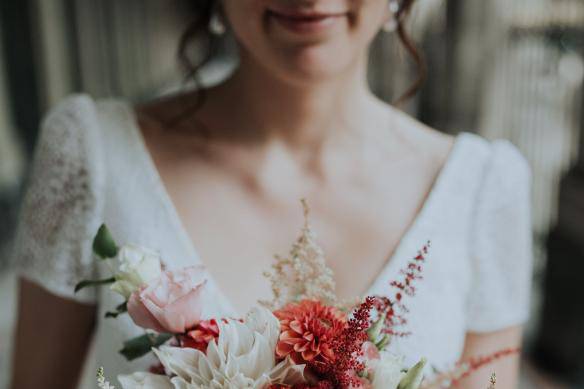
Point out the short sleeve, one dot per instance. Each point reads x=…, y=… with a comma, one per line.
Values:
x=61, y=208
x=501, y=243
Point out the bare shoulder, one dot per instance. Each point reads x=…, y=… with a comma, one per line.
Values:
x=423, y=139
x=170, y=123
x=165, y=110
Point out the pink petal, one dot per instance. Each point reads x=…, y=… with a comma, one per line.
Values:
x=141, y=315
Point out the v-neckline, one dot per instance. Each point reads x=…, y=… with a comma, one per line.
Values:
x=387, y=271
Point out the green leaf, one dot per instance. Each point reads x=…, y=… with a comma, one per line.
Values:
x=413, y=378
x=122, y=308
x=383, y=342
x=140, y=346
x=374, y=332
x=87, y=283
x=104, y=244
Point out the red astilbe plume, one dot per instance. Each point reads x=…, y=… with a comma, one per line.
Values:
x=394, y=308
x=464, y=369
x=308, y=329
x=319, y=385
x=474, y=364
x=348, y=346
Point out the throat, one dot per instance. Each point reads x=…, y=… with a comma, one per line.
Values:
x=265, y=107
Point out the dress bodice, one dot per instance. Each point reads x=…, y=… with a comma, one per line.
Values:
x=92, y=166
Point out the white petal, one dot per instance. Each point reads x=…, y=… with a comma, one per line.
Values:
x=179, y=383
x=288, y=372
x=180, y=361
x=261, y=320
x=388, y=372
x=259, y=360
x=144, y=381
x=242, y=357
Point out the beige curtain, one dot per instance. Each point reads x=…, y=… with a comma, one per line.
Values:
x=108, y=47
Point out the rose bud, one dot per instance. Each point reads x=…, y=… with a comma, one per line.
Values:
x=172, y=303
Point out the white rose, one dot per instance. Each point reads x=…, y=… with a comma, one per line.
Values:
x=137, y=267
x=387, y=372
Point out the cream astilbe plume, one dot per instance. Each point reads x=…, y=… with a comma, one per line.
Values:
x=493, y=384
x=303, y=275
x=102, y=383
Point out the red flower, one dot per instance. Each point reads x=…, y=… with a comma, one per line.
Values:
x=200, y=336
x=308, y=329
x=157, y=369
x=349, y=348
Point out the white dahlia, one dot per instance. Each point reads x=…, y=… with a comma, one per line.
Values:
x=145, y=381
x=242, y=357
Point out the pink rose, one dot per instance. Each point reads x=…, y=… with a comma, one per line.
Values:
x=370, y=356
x=171, y=303
x=370, y=351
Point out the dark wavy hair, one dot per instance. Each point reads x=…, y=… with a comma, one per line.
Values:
x=197, y=31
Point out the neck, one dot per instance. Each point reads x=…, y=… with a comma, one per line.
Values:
x=305, y=115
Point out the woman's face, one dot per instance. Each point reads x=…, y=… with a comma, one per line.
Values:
x=306, y=40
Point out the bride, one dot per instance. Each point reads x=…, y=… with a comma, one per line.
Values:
x=215, y=177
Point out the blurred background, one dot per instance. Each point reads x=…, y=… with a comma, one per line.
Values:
x=500, y=68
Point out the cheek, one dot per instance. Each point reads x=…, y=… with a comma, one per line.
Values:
x=245, y=17
x=247, y=20
x=371, y=17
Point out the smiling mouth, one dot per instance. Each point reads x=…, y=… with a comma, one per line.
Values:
x=306, y=22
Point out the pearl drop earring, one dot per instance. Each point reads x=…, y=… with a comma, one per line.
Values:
x=216, y=23
x=392, y=24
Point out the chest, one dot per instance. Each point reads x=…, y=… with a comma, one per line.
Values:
x=237, y=227
x=368, y=230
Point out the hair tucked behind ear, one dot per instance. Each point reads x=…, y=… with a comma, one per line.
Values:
x=198, y=31
x=410, y=46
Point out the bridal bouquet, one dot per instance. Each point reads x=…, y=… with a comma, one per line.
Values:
x=304, y=338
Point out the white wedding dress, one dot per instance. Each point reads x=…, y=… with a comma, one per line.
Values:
x=92, y=166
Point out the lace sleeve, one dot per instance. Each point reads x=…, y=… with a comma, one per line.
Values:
x=61, y=208
x=502, y=243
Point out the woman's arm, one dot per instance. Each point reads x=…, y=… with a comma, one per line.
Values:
x=52, y=338
x=506, y=369
x=502, y=256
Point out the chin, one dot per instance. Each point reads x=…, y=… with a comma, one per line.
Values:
x=315, y=42
x=312, y=65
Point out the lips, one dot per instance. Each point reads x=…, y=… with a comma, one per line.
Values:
x=303, y=22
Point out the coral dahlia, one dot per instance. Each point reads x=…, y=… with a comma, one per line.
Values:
x=308, y=329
